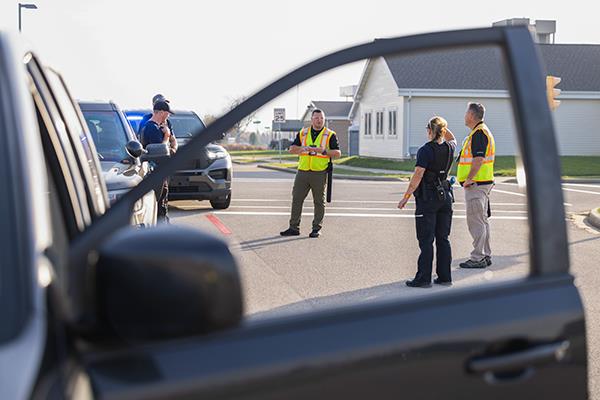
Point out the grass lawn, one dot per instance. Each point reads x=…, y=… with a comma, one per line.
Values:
x=340, y=170
x=503, y=166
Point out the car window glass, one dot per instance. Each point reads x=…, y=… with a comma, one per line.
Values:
x=108, y=134
x=185, y=125
x=82, y=142
x=368, y=247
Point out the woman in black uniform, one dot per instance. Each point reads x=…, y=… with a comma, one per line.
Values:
x=433, y=197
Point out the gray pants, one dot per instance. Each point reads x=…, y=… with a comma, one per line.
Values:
x=476, y=199
x=305, y=181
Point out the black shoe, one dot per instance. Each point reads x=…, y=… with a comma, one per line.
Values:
x=488, y=260
x=438, y=281
x=418, y=284
x=290, y=232
x=474, y=264
x=315, y=233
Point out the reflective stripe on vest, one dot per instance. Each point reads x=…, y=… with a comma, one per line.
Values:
x=486, y=172
x=317, y=162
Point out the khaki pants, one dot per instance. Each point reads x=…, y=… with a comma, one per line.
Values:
x=476, y=199
x=305, y=181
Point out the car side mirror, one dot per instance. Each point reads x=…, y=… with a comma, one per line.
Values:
x=156, y=152
x=134, y=148
x=165, y=282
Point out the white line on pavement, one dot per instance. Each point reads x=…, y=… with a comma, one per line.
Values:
x=364, y=209
x=359, y=201
x=581, y=191
x=504, y=191
x=260, y=213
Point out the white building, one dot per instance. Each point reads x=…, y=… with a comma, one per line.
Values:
x=397, y=95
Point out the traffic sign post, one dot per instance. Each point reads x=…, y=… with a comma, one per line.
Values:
x=279, y=118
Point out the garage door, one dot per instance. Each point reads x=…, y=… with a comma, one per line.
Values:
x=498, y=117
x=577, y=125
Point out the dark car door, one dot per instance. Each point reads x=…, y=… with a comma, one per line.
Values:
x=519, y=339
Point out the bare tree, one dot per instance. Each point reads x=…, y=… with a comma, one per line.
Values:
x=209, y=119
x=242, y=124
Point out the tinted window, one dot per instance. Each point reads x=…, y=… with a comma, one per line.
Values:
x=184, y=125
x=108, y=134
x=74, y=125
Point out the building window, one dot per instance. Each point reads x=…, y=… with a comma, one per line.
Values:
x=367, y=124
x=379, y=123
x=392, y=123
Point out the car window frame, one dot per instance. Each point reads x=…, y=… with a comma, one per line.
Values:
x=78, y=215
x=89, y=164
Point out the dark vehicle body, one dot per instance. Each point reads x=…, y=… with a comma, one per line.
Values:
x=111, y=132
x=208, y=175
x=93, y=308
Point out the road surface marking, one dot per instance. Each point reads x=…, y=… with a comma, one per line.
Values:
x=274, y=213
x=362, y=208
x=217, y=222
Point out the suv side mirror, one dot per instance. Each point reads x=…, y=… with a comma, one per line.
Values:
x=156, y=152
x=134, y=148
x=165, y=282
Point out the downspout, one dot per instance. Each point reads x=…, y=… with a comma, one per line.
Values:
x=406, y=131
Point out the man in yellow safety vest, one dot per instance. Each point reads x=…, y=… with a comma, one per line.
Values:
x=316, y=146
x=475, y=173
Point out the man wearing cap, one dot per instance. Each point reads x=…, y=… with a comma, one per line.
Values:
x=157, y=131
x=172, y=139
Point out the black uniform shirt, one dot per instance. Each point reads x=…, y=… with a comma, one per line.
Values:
x=479, y=143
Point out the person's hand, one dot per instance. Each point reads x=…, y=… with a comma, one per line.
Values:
x=403, y=202
x=468, y=183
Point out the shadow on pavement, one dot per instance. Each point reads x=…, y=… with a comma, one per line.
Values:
x=268, y=241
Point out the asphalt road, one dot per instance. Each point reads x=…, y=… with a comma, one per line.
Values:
x=368, y=248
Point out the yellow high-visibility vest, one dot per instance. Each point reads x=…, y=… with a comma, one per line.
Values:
x=317, y=162
x=486, y=172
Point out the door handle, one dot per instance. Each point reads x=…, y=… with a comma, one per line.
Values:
x=523, y=359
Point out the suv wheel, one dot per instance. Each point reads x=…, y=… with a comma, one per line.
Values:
x=221, y=204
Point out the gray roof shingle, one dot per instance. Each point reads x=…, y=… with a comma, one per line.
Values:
x=481, y=68
x=334, y=108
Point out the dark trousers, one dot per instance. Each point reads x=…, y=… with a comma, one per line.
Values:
x=304, y=182
x=434, y=220
x=163, y=202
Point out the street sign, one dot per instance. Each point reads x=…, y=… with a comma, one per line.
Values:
x=279, y=115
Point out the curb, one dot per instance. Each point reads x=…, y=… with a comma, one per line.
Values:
x=340, y=176
x=594, y=218
x=567, y=180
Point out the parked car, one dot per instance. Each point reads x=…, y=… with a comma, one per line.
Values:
x=207, y=176
x=112, y=134
x=94, y=308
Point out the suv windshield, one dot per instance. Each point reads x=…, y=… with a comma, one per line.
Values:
x=108, y=133
x=185, y=124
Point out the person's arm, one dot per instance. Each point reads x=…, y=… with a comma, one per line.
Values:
x=296, y=147
x=332, y=153
x=415, y=180
x=173, y=145
x=334, y=148
x=449, y=136
x=165, y=132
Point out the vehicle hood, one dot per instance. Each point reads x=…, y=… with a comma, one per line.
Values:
x=119, y=176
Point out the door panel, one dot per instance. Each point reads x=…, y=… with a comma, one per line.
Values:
x=417, y=349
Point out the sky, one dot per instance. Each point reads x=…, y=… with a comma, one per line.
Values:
x=203, y=54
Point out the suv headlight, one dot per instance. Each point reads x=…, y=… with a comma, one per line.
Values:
x=215, y=155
